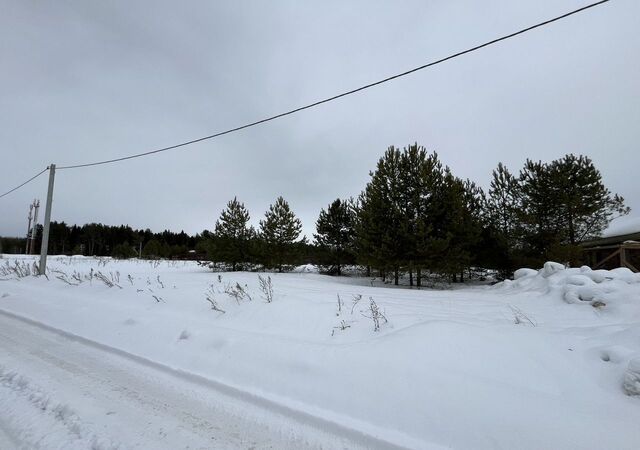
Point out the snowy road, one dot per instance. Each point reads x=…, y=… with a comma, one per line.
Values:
x=57, y=391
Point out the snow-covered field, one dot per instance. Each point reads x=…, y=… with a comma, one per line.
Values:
x=549, y=360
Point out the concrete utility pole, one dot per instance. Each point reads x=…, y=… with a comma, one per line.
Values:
x=47, y=219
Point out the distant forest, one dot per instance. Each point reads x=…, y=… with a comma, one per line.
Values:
x=105, y=240
x=413, y=217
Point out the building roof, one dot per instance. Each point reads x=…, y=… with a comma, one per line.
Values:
x=620, y=230
x=622, y=226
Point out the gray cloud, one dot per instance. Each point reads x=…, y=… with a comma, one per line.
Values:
x=82, y=81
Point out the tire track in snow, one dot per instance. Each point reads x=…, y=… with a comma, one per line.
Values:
x=192, y=407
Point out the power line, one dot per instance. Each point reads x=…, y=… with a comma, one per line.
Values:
x=26, y=182
x=335, y=97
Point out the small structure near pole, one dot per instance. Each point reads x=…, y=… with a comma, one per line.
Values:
x=619, y=246
x=32, y=227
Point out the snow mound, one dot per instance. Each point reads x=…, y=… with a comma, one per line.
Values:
x=306, y=268
x=632, y=378
x=550, y=268
x=576, y=285
x=521, y=273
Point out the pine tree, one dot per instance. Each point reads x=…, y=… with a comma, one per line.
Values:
x=335, y=233
x=395, y=219
x=232, y=234
x=421, y=179
x=538, y=214
x=380, y=216
x=457, y=224
x=123, y=251
x=585, y=207
x=279, y=230
x=504, y=231
x=152, y=249
x=564, y=203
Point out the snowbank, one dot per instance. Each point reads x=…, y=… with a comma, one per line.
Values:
x=306, y=268
x=578, y=285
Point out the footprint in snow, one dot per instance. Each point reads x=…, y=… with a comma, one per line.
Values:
x=184, y=335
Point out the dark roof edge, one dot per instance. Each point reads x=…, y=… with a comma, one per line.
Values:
x=612, y=240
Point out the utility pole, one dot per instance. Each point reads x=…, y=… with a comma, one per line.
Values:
x=32, y=227
x=36, y=207
x=28, y=249
x=47, y=219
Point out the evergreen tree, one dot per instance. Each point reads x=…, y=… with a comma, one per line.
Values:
x=123, y=251
x=233, y=235
x=335, y=233
x=380, y=241
x=585, y=207
x=397, y=210
x=457, y=224
x=538, y=214
x=421, y=179
x=564, y=203
x=504, y=233
x=279, y=230
x=152, y=249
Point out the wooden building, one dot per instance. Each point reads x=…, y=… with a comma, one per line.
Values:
x=611, y=251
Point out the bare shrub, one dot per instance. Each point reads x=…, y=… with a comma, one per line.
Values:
x=266, y=287
x=237, y=292
x=375, y=314
x=210, y=297
x=63, y=277
x=342, y=326
x=356, y=299
x=19, y=269
x=106, y=280
x=340, y=303
x=77, y=276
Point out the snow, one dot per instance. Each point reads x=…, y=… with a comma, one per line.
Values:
x=58, y=419
x=547, y=360
x=306, y=268
x=148, y=405
x=621, y=226
x=632, y=377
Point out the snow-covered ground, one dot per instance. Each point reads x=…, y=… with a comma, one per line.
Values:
x=548, y=360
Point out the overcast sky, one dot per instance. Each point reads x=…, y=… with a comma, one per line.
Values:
x=83, y=81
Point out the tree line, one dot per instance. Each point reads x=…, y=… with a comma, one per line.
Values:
x=413, y=217
x=97, y=239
